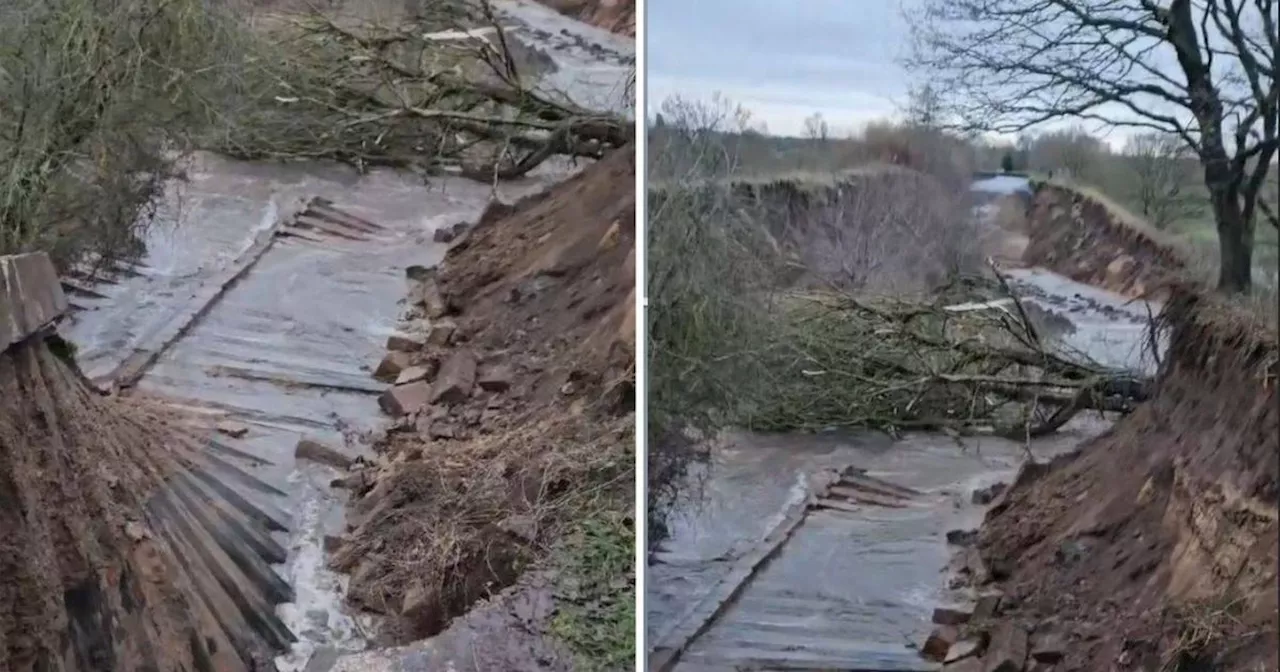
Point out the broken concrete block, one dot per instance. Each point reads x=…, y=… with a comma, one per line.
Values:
x=441, y=332
x=456, y=379
x=988, y=604
x=413, y=374
x=1007, y=651
x=965, y=648
x=442, y=430
x=495, y=379
x=962, y=537
x=405, y=342
x=391, y=366
x=31, y=296
x=310, y=449
x=447, y=234
x=939, y=643
x=986, y=496
x=1049, y=647
x=234, y=430
x=950, y=616
x=426, y=293
x=405, y=399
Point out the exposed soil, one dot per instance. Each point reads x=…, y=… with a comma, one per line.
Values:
x=1088, y=239
x=1154, y=547
x=529, y=353
x=617, y=16
x=89, y=579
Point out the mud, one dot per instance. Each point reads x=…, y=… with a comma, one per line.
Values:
x=533, y=406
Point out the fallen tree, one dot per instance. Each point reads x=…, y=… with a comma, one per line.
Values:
x=408, y=95
x=978, y=365
x=101, y=101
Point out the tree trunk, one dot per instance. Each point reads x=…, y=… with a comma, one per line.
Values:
x=1235, y=242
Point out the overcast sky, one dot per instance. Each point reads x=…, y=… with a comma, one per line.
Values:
x=782, y=59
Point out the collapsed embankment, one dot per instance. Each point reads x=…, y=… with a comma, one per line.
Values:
x=878, y=228
x=1154, y=547
x=616, y=16
x=1082, y=235
x=122, y=549
x=513, y=399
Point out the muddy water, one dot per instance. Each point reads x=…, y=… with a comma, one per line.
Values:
x=854, y=588
x=282, y=341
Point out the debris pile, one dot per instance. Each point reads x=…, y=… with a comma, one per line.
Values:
x=512, y=398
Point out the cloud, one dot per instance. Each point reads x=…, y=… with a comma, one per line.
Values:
x=783, y=61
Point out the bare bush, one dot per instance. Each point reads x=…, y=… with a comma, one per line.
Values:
x=884, y=231
x=1164, y=172
x=97, y=101
x=948, y=159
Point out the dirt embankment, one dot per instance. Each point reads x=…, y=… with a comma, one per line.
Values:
x=514, y=403
x=616, y=16
x=116, y=553
x=1082, y=235
x=877, y=228
x=1154, y=547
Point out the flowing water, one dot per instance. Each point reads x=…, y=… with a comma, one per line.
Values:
x=237, y=316
x=852, y=587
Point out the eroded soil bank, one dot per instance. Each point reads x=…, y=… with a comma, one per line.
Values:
x=1154, y=547
x=514, y=428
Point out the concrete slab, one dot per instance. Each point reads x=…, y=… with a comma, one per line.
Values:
x=30, y=296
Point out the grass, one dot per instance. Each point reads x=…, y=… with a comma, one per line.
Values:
x=596, y=592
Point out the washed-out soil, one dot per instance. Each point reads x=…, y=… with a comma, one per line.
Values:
x=615, y=16
x=534, y=432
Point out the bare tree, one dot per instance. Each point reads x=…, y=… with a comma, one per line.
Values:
x=1160, y=163
x=816, y=128
x=1204, y=70
x=925, y=107
x=1073, y=151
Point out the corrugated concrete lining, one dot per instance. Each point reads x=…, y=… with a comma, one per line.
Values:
x=217, y=539
x=31, y=297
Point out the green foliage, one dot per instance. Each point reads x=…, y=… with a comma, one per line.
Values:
x=596, y=592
